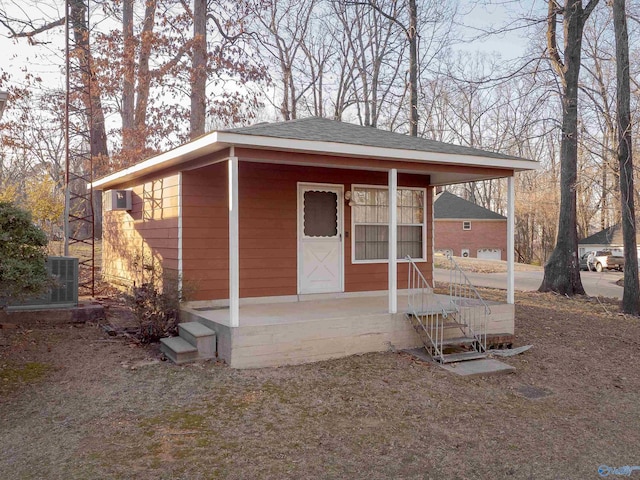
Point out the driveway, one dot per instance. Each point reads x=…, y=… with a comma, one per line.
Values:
x=602, y=284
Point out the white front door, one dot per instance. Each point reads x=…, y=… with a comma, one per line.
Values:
x=320, y=263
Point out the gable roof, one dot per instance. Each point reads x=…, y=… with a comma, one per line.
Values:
x=448, y=205
x=608, y=236
x=319, y=129
x=321, y=136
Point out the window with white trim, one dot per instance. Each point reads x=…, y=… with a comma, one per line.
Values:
x=466, y=225
x=370, y=213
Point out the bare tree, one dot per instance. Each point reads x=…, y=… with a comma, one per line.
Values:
x=198, y=69
x=562, y=271
x=631, y=295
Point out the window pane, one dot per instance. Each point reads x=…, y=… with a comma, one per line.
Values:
x=410, y=242
x=372, y=214
x=382, y=197
x=371, y=242
x=383, y=214
x=371, y=218
x=418, y=196
x=359, y=196
x=320, y=214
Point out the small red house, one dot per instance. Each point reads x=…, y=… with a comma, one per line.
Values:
x=465, y=229
x=292, y=237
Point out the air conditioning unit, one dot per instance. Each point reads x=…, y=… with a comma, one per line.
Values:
x=117, y=200
x=63, y=293
x=465, y=252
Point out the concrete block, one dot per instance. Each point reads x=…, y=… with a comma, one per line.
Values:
x=178, y=350
x=201, y=337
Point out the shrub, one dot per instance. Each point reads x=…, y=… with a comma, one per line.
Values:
x=155, y=311
x=22, y=255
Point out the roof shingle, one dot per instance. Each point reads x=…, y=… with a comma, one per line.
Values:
x=448, y=205
x=326, y=130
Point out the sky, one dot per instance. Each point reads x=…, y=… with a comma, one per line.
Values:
x=43, y=59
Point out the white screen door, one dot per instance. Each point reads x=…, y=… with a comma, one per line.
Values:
x=320, y=262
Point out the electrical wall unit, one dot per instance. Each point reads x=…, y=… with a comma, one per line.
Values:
x=64, y=290
x=118, y=200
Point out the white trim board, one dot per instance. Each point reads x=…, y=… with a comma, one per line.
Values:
x=216, y=141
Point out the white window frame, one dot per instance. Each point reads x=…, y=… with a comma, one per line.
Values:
x=466, y=225
x=423, y=225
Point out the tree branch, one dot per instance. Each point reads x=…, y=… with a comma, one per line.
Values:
x=225, y=35
x=30, y=34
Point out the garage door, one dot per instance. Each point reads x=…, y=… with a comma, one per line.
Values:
x=490, y=253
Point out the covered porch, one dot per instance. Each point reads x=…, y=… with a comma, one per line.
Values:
x=302, y=329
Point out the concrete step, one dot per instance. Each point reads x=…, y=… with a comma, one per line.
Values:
x=458, y=341
x=201, y=337
x=462, y=357
x=435, y=311
x=178, y=350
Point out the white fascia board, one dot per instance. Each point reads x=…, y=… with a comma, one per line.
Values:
x=216, y=141
x=206, y=144
x=351, y=150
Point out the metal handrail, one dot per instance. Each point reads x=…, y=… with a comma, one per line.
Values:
x=462, y=293
x=430, y=314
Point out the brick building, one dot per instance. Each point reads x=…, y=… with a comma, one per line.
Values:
x=465, y=229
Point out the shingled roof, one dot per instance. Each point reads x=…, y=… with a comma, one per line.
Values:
x=334, y=139
x=327, y=130
x=608, y=236
x=448, y=205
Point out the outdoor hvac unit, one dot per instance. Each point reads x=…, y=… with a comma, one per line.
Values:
x=118, y=200
x=63, y=293
x=465, y=252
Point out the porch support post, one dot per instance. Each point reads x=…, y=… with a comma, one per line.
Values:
x=393, y=241
x=234, y=250
x=511, y=201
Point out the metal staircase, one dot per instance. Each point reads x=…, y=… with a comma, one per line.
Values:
x=453, y=330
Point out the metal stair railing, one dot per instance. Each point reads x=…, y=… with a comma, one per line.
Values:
x=472, y=310
x=429, y=313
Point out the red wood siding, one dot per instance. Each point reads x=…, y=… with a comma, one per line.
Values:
x=483, y=234
x=145, y=237
x=205, y=232
x=268, y=229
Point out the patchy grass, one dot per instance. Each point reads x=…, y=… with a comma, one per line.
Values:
x=11, y=376
x=374, y=416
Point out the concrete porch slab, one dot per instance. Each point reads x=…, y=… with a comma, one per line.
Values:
x=475, y=368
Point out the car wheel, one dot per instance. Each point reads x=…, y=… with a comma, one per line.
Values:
x=598, y=267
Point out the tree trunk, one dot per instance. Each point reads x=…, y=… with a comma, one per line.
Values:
x=144, y=74
x=413, y=67
x=562, y=271
x=199, y=69
x=631, y=295
x=128, y=76
x=91, y=100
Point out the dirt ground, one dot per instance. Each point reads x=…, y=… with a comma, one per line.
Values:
x=78, y=404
